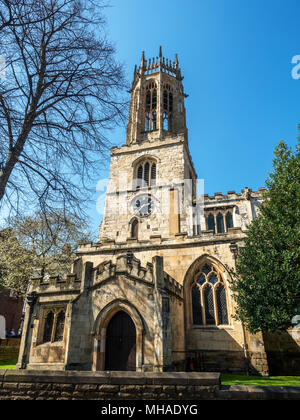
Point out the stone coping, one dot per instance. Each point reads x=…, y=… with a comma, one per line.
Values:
x=251, y=392
x=112, y=378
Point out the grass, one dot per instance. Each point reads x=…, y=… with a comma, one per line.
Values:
x=8, y=364
x=226, y=379
x=229, y=379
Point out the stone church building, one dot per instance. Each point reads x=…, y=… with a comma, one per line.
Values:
x=153, y=294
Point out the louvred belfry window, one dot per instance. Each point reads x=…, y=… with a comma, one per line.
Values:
x=208, y=297
x=167, y=107
x=145, y=174
x=151, y=107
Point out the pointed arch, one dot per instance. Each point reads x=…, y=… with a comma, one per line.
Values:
x=100, y=327
x=134, y=228
x=206, y=293
x=144, y=172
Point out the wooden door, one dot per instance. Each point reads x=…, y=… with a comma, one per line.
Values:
x=120, y=353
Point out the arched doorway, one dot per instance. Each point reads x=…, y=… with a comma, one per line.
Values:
x=120, y=352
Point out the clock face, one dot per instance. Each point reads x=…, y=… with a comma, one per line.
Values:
x=143, y=205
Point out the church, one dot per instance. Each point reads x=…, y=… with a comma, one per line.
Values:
x=153, y=294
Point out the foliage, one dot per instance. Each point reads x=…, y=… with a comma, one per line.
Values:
x=38, y=244
x=267, y=280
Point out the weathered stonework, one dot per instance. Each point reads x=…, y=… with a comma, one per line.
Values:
x=156, y=236
x=114, y=386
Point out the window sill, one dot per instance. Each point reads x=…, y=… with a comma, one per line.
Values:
x=212, y=327
x=52, y=344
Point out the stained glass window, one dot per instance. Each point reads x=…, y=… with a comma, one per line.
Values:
x=209, y=306
x=196, y=304
x=213, y=279
x=209, y=283
x=222, y=305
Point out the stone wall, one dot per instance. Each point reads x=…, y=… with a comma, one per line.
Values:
x=107, y=386
x=31, y=385
x=283, y=353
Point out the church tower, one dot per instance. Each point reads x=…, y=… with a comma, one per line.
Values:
x=153, y=294
x=152, y=179
x=157, y=101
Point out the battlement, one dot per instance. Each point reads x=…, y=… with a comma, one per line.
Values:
x=158, y=64
x=129, y=265
x=246, y=194
x=55, y=283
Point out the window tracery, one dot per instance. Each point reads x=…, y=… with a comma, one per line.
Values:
x=54, y=324
x=145, y=174
x=151, y=107
x=208, y=297
x=219, y=220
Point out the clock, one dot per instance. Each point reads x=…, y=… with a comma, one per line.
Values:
x=143, y=205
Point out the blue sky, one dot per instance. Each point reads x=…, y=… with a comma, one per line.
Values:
x=235, y=57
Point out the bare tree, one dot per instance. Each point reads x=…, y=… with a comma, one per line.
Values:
x=62, y=91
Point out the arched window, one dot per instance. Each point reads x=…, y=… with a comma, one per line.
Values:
x=219, y=220
x=60, y=325
x=165, y=121
x=145, y=174
x=220, y=223
x=229, y=221
x=54, y=326
x=222, y=305
x=153, y=174
x=211, y=222
x=209, y=305
x=208, y=297
x=196, y=305
x=151, y=107
x=167, y=106
x=135, y=229
x=48, y=327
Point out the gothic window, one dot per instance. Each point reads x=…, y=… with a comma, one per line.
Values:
x=211, y=222
x=221, y=304
x=153, y=174
x=48, y=327
x=60, y=325
x=167, y=107
x=219, y=220
x=209, y=305
x=229, y=220
x=220, y=223
x=145, y=174
x=151, y=107
x=54, y=324
x=165, y=121
x=135, y=229
x=196, y=304
x=208, y=297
